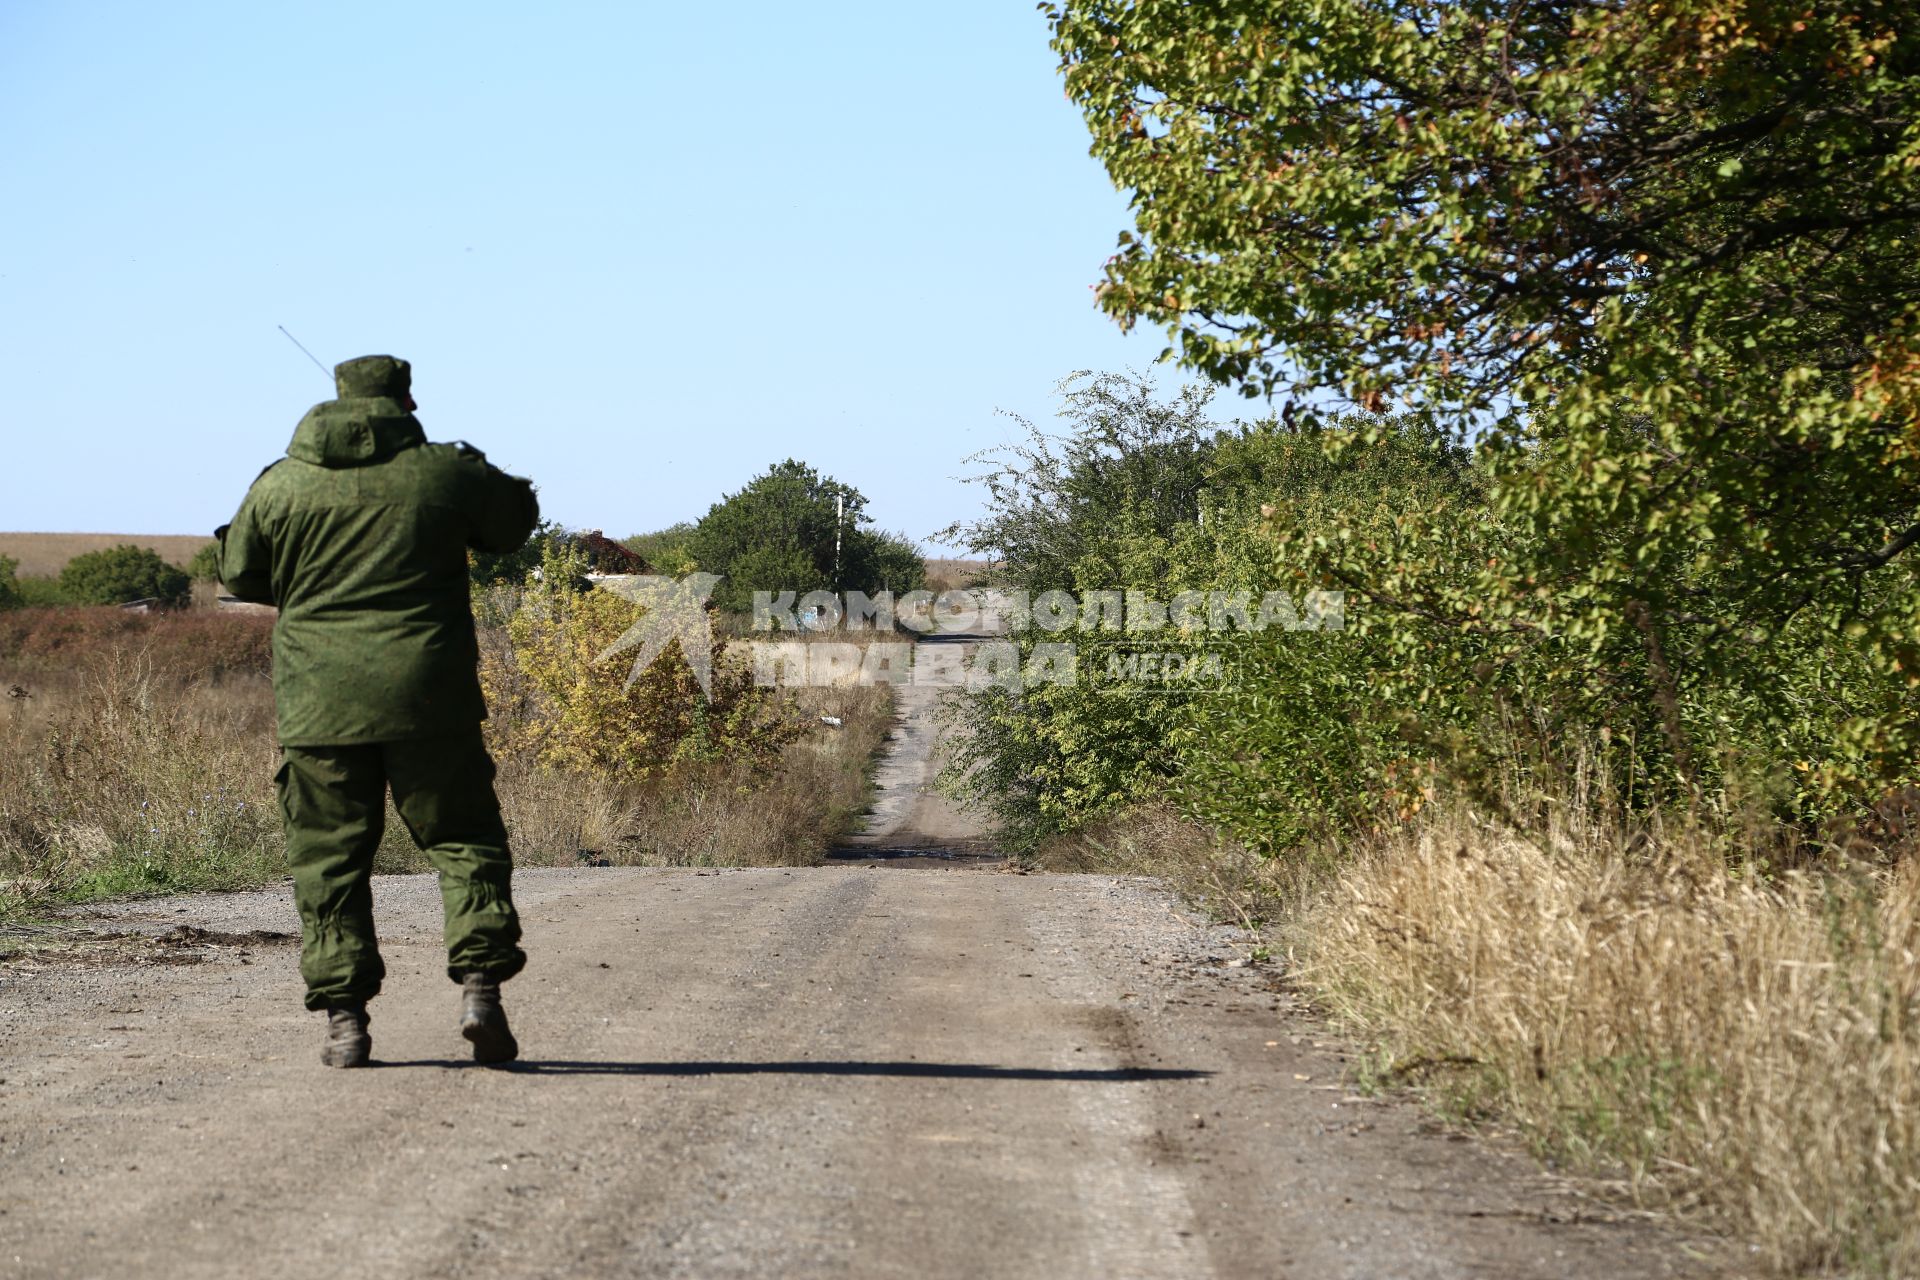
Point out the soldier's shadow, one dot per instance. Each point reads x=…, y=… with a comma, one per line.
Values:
x=905, y=1070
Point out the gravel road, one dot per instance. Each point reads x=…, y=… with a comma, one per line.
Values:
x=835, y=1071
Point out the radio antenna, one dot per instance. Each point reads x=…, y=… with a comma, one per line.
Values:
x=303, y=351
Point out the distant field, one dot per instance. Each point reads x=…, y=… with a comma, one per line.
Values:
x=955, y=573
x=45, y=554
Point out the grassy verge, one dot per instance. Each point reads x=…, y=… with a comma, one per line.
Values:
x=140, y=760
x=714, y=815
x=1741, y=1047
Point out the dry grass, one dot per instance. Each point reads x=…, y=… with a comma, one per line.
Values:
x=58, y=643
x=788, y=815
x=1741, y=1048
x=1747, y=1049
x=1155, y=840
x=44, y=555
x=142, y=759
x=128, y=773
x=946, y=573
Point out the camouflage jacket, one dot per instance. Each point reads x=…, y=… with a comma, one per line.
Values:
x=360, y=536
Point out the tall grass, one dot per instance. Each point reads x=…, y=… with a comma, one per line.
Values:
x=141, y=761
x=713, y=815
x=129, y=774
x=1745, y=1046
x=1659, y=1009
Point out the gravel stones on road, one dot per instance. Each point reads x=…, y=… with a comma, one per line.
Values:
x=831, y=1071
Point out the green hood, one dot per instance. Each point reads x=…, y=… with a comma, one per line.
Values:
x=351, y=433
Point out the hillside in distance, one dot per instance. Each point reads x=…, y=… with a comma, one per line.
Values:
x=45, y=554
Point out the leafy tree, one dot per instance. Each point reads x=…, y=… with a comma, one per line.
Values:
x=1661, y=257
x=9, y=586
x=487, y=568
x=793, y=529
x=40, y=592
x=892, y=562
x=205, y=565
x=116, y=575
x=668, y=551
x=1096, y=506
x=1058, y=510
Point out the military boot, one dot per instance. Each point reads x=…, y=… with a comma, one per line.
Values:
x=348, y=1043
x=484, y=1022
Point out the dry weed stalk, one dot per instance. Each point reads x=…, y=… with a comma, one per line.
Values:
x=141, y=760
x=1747, y=1047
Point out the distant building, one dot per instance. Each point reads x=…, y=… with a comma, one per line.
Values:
x=605, y=556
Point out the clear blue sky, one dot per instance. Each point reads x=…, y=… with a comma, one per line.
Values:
x=634, y=251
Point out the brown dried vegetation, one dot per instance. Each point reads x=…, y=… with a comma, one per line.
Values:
x=1692, y=1026
x=137, y=754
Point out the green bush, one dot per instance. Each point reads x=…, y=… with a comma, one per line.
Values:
x=1101, y=507
x=1434, y=684
x=10, y=597
x=40, y=592
x=205, y=565
x=566, y=696
x=667, y=551
x=1150, y=496
x=793, y=529
x=486, y=568
x=117, y=575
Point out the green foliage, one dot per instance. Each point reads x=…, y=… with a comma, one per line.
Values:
x=1140, y=494
x=793, y=529
x=487, y=568
x=116, y=575
x=1316, y=734
x=668, y=551
x=1097, y=508
x=557, y=701
x=39, y=592
x=1659, y=258
x=1310, y=738
x=892, y=562
x=10, y=597
x=205, y=565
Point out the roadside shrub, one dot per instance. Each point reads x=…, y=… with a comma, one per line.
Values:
x=205, y=565
x=721, y=813
x=40, y=592
x=119, y=574
x=558, y=701
x=1305, y=739
x=10, y=597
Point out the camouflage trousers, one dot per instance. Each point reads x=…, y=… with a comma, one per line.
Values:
x=333, y=802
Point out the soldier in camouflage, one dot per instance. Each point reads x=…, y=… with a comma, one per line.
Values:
x=360, y=536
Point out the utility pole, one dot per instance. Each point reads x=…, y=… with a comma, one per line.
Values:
x=839, y=514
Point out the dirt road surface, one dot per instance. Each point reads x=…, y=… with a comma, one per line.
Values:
x=911, y=821
x=836, y=1071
